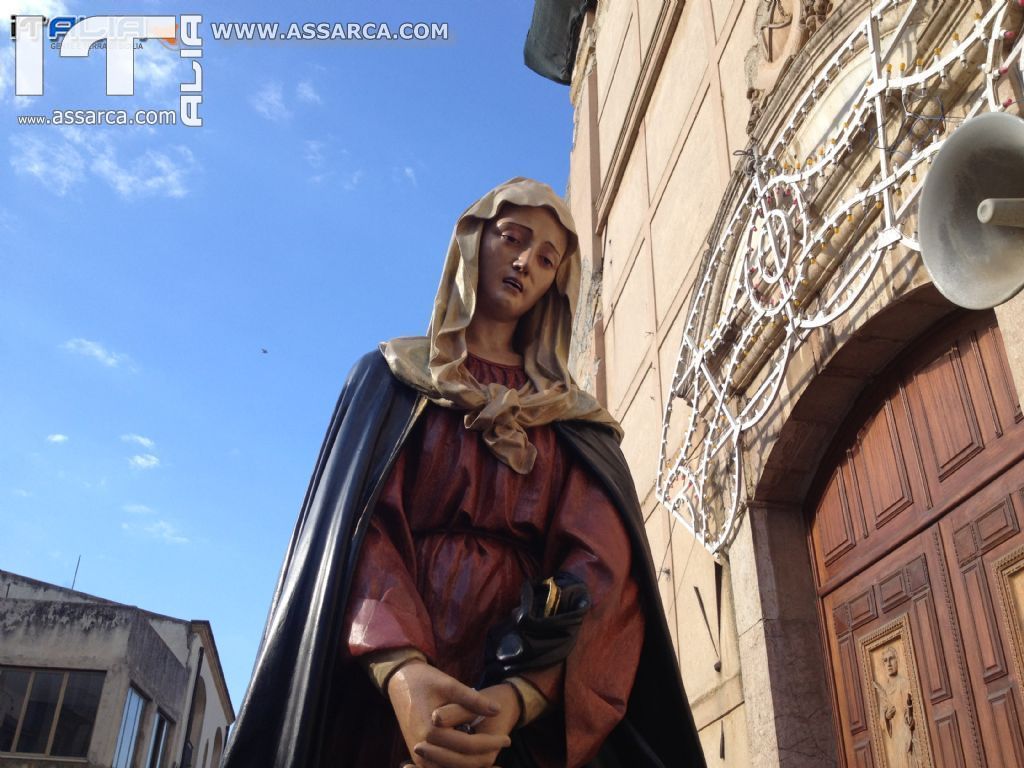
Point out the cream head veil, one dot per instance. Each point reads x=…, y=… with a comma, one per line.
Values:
x=434, y=364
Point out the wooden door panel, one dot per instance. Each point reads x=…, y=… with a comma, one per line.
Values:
x=983, y=543
x=961, y=408
x=946, y=413
x=877, y=494
x=889, y=492
x=949, y=750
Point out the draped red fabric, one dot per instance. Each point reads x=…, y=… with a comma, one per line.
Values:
x=455, y=534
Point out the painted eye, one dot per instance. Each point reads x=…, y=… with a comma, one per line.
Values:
x=509, y=238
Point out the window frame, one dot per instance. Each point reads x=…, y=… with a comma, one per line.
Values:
x=164, y=735
x=140, y=724
x=58, y=708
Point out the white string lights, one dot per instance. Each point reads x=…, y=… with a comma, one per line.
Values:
x=787, y=275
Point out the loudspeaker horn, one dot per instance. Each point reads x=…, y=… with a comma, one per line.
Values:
x=971, y=214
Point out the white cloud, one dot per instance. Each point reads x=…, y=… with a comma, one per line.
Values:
x=144, y=461
x=98, y=352
x=62, y=163
x=57, y=438
x=6, y=68
x=307, y=93
x=160, y=529
x=352, y=180
x=156, y=67
x=21, y=492
x=409, y=174
x=269, y=102
x=47, y=8
x=153, y=173
x=57, y=166
x=314, y=154
x=145, y=442
x=138, y=509
x=6, y=219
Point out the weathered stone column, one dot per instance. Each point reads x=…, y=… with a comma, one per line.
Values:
x=1011, y=325
x=789, y=722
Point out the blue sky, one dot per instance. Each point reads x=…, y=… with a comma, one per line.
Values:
x=144, y=270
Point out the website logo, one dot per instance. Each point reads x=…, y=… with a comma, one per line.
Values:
x=119, y=36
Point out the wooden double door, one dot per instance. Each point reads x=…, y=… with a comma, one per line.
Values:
x=915, y=530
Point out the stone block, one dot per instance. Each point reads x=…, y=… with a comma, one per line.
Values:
x=624, y=77
x=733, y=78
x=625, y=219
x=681, y=74
x=684, y=214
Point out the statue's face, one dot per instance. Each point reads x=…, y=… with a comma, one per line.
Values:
x=520, y=251
x=892, y=666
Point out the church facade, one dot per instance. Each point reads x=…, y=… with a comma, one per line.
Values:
x=827, y=449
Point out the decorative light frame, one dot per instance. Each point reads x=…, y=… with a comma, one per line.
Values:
x=776, y=291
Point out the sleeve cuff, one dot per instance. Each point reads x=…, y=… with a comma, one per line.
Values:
x=532, y=700
x=383, y=664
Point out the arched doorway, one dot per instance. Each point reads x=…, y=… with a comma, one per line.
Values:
x=195, y=727
x=218, y=748
x=918, y=558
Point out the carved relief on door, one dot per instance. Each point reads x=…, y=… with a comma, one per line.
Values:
x=894, y=699
x=896, y=616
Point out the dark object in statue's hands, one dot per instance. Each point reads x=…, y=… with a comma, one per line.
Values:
x=540, y=632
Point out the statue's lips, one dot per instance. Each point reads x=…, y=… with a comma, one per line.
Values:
x=514, y=283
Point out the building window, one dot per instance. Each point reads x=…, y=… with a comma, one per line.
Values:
x=158, y=743
x=48, y=711
x=131, y=721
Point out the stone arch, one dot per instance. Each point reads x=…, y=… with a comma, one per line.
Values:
x=784, y=679
x=195, y=726
x=218, y=748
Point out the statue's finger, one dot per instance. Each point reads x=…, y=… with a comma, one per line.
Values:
x=468, y=744
x=451, y=715
x=472, y=699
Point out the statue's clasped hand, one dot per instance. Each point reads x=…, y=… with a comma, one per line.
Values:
x=430, y=704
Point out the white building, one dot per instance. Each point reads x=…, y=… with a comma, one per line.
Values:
x=89, y=682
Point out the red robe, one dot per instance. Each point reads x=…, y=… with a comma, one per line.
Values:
x=455, y=534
